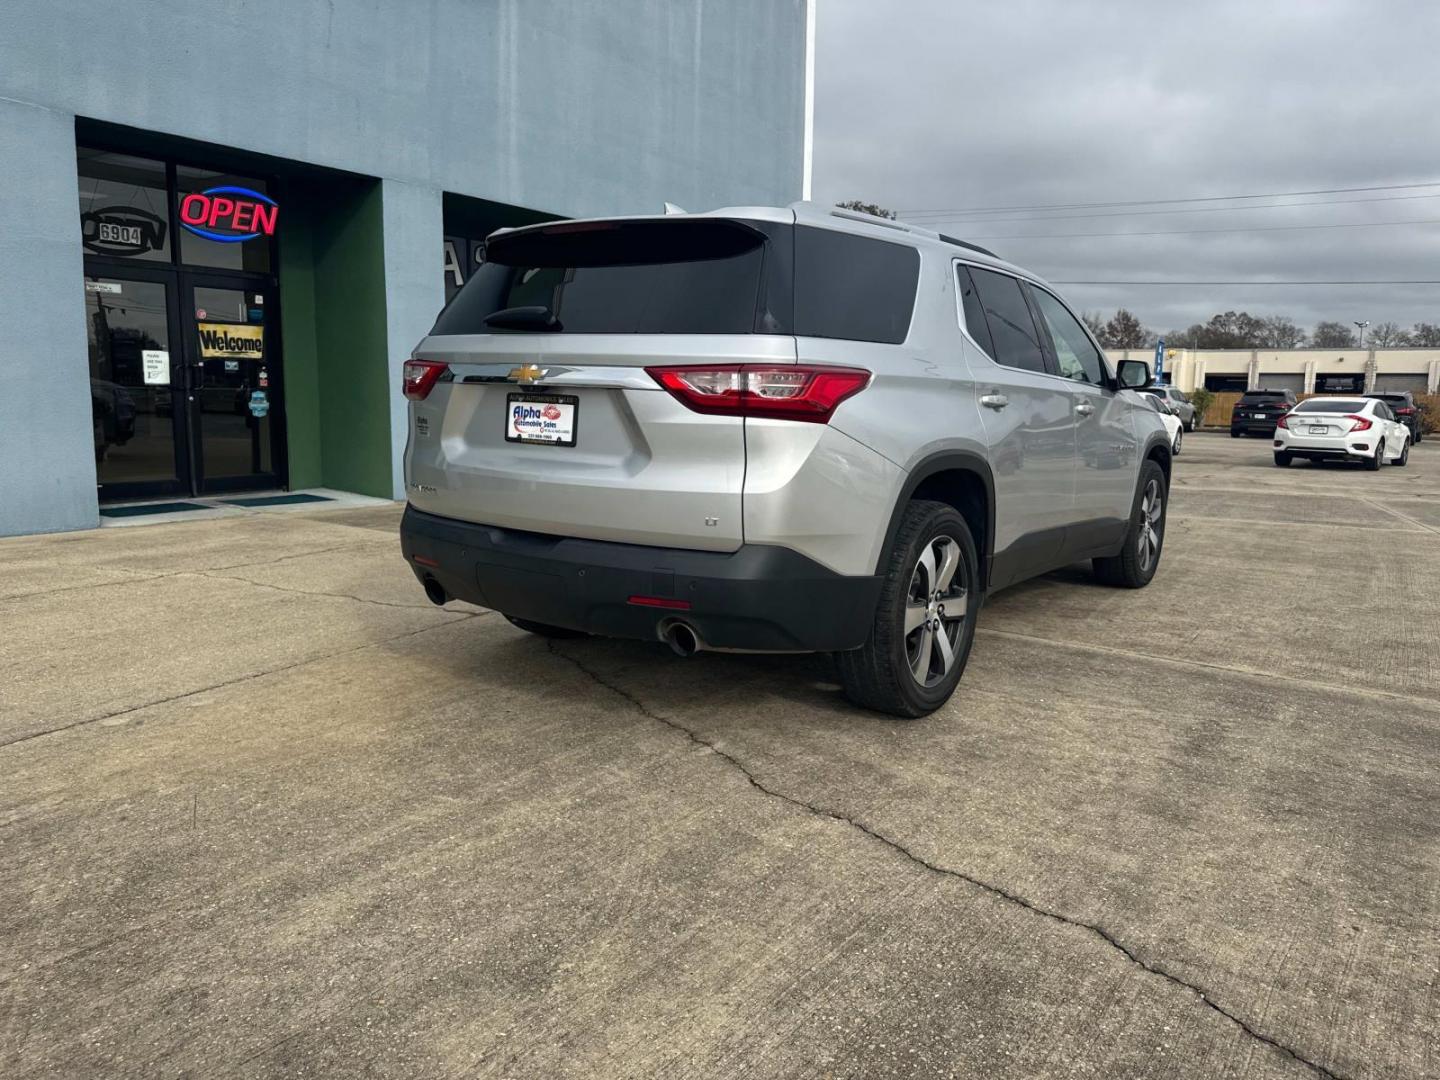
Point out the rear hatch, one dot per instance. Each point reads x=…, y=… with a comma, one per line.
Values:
x=540, y=414
x=1256, y=407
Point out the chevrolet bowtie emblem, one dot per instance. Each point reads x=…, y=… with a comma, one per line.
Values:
x=527, y=373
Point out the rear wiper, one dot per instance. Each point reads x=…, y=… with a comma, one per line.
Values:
x=537, y=317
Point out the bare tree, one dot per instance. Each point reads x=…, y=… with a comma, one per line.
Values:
x=1125, y=331
x=1332, y=335
x=1425, y=335
x=1279, y=332
x=866, y=208
x=1388, y=335
x=1096, y=322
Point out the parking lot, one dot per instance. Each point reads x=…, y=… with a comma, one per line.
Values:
x=267, y=812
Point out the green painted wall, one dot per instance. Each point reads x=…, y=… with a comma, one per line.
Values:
x=332, y=291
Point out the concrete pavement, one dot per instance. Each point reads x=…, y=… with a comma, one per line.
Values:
x=266, y=812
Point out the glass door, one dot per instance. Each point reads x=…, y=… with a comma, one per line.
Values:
x=231, y=355
x=137, y=379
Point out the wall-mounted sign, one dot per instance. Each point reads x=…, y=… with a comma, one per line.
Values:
x=155, y=367
x=229, y=215
x=231, y=341
x=111, y=287
x=121, y=230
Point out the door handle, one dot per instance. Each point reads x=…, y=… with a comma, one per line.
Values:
x=1085, y=408
x=994, y=401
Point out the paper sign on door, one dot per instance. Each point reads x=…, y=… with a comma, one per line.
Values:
x=155, y=365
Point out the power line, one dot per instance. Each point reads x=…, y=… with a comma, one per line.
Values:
x=1198, y=232
x=1196, y=210
x=1420, y=281
x=1172, y=202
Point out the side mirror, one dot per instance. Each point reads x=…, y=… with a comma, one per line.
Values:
x=1134, y=374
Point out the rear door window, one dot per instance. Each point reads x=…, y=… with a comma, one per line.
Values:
x=1007, y=315
x=853, y=287
x=642, y=277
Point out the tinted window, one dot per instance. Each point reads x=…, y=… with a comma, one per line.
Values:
x=1012, y=330
x=853, y=287
x=681, y=277
x=1330, y=405
x=123, y=209
x=974, y=312
x=1078, y=357
x=1262, y=397
x=1176, y=395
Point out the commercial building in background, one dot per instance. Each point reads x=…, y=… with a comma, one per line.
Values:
x=1306, y=371
x=224, y=226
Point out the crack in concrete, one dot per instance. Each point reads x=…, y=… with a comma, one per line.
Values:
x=215, y=576
x=1098, y=931
x=239, y=679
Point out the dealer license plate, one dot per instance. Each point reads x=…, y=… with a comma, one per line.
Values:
x=1318, y=430
x=541, y=418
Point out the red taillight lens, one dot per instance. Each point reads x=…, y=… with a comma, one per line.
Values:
x=782, y=391
x=1404, y=411
x=420, y=377
x=1361, y=424
x=1282, y=422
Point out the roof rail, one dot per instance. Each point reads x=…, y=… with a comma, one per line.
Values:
x=967, y=244
x=886, y=223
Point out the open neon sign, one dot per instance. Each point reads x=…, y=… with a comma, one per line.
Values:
x=229, y=214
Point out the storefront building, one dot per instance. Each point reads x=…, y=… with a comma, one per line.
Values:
x=221, y=239
x=1305, y=371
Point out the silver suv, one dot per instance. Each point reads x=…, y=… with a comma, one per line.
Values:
x=771, y=430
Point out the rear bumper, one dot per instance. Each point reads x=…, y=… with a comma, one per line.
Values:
x=1357, y=448
x=1254, y=427
x=758, y=597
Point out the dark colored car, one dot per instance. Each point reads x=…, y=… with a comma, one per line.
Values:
x=1258, y=410
x=1402, y=403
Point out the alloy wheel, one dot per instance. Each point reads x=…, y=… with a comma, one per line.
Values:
x=935, y=609
x=1152, y=509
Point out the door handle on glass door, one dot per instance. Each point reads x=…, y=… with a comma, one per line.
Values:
x=994, y=401
x=1085, y=408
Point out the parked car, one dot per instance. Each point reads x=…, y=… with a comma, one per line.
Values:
x=1177, y=401
x=1169, y=417
x=771, y=430
x=1342, y=429
x=1257, y=410
x=1407, y=410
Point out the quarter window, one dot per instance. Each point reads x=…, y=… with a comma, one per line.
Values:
x=974, y=311
x=1012, y=331
x=1078, y=357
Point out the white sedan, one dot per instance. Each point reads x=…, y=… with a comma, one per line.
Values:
x=1342, y=429
x=1169, y=417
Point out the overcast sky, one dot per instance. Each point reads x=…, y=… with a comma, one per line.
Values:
x=926, y=105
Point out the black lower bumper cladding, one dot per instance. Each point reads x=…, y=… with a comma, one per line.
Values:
x=757, y=597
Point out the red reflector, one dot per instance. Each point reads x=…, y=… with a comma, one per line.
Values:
x=660, y=602
x=808, y=392
x=420, y=376
x=424, y=561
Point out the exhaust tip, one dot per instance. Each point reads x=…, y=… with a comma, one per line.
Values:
x=435, y=592
x=683, y=641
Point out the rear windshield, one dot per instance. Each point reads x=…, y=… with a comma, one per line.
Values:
x=1261, y=398
x=688, y=276
x=1330, y=405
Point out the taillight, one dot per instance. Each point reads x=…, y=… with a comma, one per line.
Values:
x=1361, y=424
x=420, y=377
x=782, y=391
x=1282, y=423
x=1404, y=411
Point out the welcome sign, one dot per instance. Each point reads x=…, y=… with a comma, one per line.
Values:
x=233, y=341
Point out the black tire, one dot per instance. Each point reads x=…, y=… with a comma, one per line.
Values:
x=1404, y=458
x=1374, y=463
x=1135, y=566
x=1283, y=459
x=1179, y=438
x=545, y=630
x=1234, y=434
x=881, y=674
